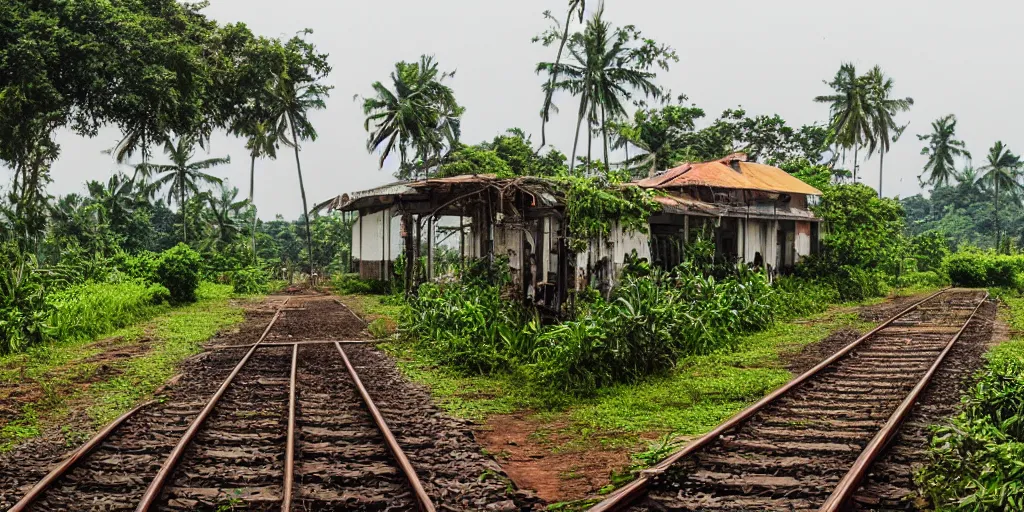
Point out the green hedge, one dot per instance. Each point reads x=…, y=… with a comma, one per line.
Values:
x=178, y=271
x=976, y=269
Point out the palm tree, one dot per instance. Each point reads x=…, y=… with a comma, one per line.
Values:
x=604, y=71
x=419, y=114
x=882, y=107
x=225, y=210
x=1001, y=174
x=182, y=175
x=577, y=8
x=290, y=105
x=941, y=149
x=849, y=110
x=261, y=141
x=968, y=176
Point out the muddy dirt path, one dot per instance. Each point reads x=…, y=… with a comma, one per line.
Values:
x=237, y=459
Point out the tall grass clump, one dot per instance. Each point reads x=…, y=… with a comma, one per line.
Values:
x=86, y=311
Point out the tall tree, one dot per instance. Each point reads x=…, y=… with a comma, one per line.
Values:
x=606, y=70
x=223, y=216
x=420, y=113
x=298, y=90
x=882, y=109
x=849, y=110
x=183, y=176
x=576, y=9
x=1001, y=175
x=942, y=148
x=261, y=141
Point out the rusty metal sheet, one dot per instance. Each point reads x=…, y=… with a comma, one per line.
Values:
x=719, y=174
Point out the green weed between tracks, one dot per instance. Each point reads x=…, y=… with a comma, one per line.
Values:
x=65, y=375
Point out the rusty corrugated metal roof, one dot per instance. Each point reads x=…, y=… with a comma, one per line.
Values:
x=720, y=174
x=684, y=204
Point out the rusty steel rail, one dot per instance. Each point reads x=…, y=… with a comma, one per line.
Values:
x=425, y=504
x=291, y=343
x=635, y=489
x=68, y=463
x=289, y=453
x=342, y=304
x=851, y=481
x=157, y=484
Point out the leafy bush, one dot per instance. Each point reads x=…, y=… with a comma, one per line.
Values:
x=89, y=310
x=852, y=283
x=178, y=271
x=977, y=462
x=138, y=266
x=249, y=281
x=921, y=279
x=967, y=269
x=23, y=309
x=929, y=249
x=973, y=268
x=646, y=325
x=802, y=297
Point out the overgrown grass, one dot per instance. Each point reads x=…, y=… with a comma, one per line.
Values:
x=705, y=390
x=65, y=374
x=85, y=311
x=698, y=394
x=176, y=336
x=651, y=320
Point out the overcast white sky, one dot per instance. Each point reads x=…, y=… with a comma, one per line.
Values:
x=951, y=56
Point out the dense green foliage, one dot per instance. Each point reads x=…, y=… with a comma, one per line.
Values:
x=977, y=269
x=864, y=243
x=249, y=281
x=977, y=461
x=178, y=271
x=507, y=156
x=651, y=319
x=85, y=311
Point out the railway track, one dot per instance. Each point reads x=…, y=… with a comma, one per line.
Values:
x=808, y=445
x=290, y=427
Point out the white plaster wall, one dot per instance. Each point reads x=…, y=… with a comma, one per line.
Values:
x=374, y=228
x=508, y=242
x=758, y=240
x=624, y=243
x=803, y=240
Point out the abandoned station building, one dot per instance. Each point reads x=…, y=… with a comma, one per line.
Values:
x=754, y=213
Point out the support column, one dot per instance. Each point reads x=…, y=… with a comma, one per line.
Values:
x=430, y=248
x=409, y=253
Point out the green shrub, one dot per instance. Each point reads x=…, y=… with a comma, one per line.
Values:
x=23, y=309
x=138, y=266
x=178, y=271
x=929, y=249
x=85, y=311
x=976, y=269
x=921, y=279
x=977, y=461
x=249, y=281
x=800, y=296
x=967, y=269
x=648, y=323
